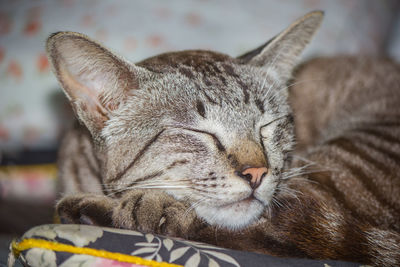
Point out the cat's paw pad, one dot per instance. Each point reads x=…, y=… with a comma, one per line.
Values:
x=152, y=211
x=85, y=209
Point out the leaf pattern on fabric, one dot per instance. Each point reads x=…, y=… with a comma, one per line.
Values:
x=146, y=246
x=194, y=260
x=80, y=260
x=177, y=253
x=213, y=263
x=122, y=231
x=198, y=251
x=79, y=235
x=158, y=258
x=144, y=251
x=168, y=244
x=46, y=231
x=202, y=245
x=149, y=237
x=149, y=247
x=222, y=256
x=41, y=257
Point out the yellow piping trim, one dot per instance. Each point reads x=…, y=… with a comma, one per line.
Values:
x=18, y=247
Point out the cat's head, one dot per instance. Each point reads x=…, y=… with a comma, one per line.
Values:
x=207, y=128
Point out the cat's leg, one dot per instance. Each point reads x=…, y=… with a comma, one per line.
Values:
x=144, y=210
x=155, y=212
x=79, y=168
x=92, y=209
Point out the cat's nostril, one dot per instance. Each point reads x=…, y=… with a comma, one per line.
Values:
x=248, y=176
x=244, y=176
x=254, y=175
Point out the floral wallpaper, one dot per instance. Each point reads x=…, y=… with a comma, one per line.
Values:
x=33, y=112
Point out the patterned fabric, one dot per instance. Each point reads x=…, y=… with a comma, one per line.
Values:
x=83, y=245
x=32, y=113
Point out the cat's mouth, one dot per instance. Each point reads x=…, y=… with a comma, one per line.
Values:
x=245, y=201
x=234, y=215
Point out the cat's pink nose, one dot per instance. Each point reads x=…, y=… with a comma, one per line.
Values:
x=254, y=175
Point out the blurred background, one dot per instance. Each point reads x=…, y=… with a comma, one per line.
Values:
x=33, y=111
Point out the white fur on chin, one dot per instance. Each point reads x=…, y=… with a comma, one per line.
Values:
x=233, y=216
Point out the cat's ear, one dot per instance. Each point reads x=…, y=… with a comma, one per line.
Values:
x=283, y=51
x=95, y=80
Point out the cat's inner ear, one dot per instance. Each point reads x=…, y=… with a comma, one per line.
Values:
x=95, y=81
x=282, y=52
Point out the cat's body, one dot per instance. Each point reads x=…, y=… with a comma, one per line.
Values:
x=348, y=121
x=214, y=132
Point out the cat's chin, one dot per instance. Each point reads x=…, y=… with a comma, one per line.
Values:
x=232, y=216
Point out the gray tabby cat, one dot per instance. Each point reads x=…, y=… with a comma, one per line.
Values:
x=196, y=144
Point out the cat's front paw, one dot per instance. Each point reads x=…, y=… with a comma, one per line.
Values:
x=89, y=209
x=155, y=212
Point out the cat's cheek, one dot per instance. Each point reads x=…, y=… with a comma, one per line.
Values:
x=266, y=190
x=233, y=216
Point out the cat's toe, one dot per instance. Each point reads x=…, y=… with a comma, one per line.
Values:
x=124, y=214
x=177, y=220
x=139, y=210
x=67, y=210
x=150, y=211
x=86, y=209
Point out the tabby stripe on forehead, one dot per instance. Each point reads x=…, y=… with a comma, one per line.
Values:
x=219, y=74
x=209, y=98
x=230, y=71
x=187, y=72
x=259, y=105
x=200, y=109
x=138, y=156
x=245, y=90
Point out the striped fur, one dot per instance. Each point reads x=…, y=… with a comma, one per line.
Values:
x=162, y=145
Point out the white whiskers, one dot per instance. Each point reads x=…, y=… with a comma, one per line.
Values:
x=194, y=205
x=154, y=184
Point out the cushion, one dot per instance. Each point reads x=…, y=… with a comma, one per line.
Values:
x=84, y=245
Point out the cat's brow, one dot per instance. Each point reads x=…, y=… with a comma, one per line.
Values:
x=274, y=120
x=138, y=156
x=218, y=143
x=200, y=109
